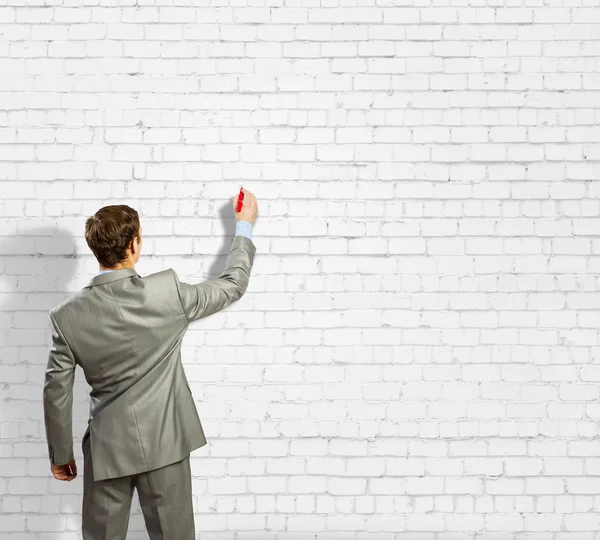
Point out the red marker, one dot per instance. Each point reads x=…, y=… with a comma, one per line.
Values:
x=240, y=199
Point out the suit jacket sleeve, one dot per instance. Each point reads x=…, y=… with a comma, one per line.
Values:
x=58, y=398
x=208, y=297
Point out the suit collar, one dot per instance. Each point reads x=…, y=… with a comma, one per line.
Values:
x=109, y=277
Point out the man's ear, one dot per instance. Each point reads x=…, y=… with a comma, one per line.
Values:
x=132, y=245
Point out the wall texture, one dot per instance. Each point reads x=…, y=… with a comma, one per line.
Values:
x=417, y=354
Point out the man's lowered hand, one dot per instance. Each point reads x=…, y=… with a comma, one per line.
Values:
x=65, y=472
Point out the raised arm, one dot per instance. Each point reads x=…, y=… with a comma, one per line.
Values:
x=203, y=299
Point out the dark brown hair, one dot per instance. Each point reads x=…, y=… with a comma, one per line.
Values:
x=109, y=232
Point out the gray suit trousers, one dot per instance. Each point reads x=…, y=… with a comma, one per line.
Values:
x=165, y=496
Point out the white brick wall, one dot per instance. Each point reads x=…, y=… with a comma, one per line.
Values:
x=416, y=357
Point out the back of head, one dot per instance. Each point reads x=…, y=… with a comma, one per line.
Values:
x=109, y=233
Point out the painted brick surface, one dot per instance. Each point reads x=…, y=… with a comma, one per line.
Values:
x=417, y=354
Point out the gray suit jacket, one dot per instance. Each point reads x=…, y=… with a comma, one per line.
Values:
x=125, y=332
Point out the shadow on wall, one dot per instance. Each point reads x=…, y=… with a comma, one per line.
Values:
x=218, y=265
x=37, y=266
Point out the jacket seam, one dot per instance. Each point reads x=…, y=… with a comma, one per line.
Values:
x=138, y=362
x=62, y=334
x=179, y=296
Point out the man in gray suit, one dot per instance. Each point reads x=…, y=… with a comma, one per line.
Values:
x=125, y=331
